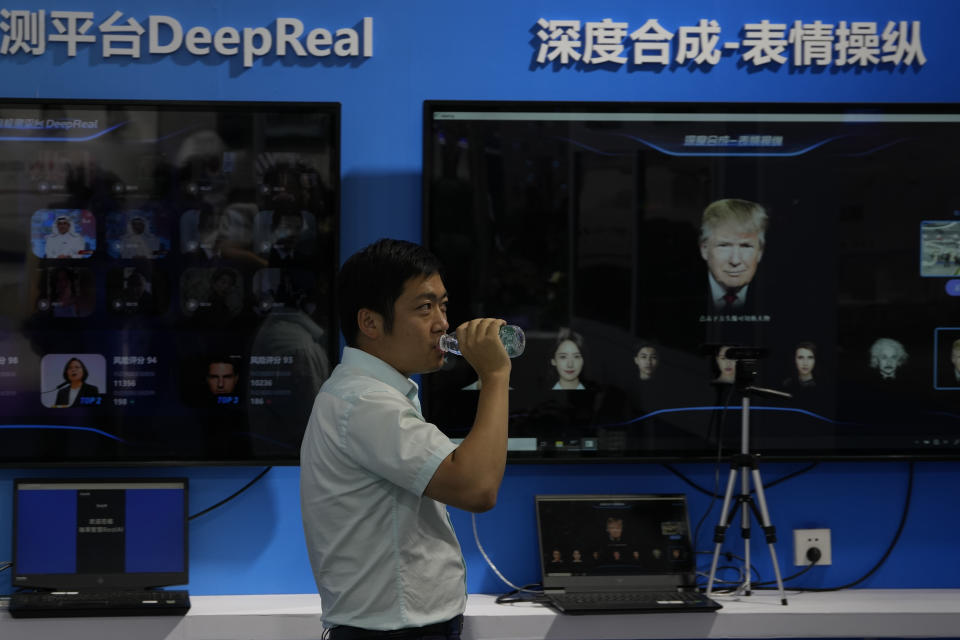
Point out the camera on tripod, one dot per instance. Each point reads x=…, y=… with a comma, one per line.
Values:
x=745, y=466
x=748, y=363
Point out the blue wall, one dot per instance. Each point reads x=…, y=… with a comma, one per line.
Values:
x=431, y=49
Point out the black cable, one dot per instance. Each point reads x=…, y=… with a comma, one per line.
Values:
x=753, y=569
x=229, y=498
x=715, y=494
x=761, y=585
x=720, y=423
x=729, y=556
x=875, y=568
x=716, y=491
x=3, y=567
x=793, y=474
x=718, y=580
x=516, y=595
x=788, y=578
x=893, y=543
x=716, y=470
x=687, y=480
x=6, y=565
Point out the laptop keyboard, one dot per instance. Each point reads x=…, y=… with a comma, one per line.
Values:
x=626, y=600
x=31, y=604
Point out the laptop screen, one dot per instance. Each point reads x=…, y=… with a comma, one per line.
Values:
x=99, y=533
x=638, y=540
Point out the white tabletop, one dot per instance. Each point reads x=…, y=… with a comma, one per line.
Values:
x=857, y=613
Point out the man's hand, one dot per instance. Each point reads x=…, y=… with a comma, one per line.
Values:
x=469, y=478
x=480, y=344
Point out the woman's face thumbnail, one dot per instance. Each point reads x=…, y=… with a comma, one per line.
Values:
x=75, y=371
x=727, y=366
x=568, y=360
x=805, y=361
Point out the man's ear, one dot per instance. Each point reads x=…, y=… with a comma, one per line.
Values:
x=370, y=323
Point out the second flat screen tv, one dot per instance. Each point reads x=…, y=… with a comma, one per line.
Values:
x=639, y=243
x=165, y=279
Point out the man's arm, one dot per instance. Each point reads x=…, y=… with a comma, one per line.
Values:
x=469, y=478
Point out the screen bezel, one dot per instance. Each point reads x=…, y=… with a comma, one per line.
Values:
x=76, y=581
x=111, y=454
x=684, y=576
x=872, y=451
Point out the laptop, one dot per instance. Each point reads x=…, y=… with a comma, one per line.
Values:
x=618, y=553
x=99, y=547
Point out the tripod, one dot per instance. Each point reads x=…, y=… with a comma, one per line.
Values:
x=745, y=464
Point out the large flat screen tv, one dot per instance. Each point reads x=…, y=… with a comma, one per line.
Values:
x=165, y=279
x=642, y=245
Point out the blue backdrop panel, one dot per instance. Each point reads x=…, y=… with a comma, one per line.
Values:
x=429, y=49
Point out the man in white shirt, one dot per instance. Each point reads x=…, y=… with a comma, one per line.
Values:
x=376, y=477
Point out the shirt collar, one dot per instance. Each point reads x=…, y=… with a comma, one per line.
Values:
x=377, y=368
x=717, y=291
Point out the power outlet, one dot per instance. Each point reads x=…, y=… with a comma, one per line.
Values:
x=806, y=539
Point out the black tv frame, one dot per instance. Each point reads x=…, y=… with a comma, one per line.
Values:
x=261, y=144
x=84, y=580
x=842, y=437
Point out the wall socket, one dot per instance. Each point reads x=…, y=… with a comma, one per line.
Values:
x=805, y=539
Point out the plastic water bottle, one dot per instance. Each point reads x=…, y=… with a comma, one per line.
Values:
x=510, y=335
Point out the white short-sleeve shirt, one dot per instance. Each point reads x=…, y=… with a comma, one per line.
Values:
x=384, y=556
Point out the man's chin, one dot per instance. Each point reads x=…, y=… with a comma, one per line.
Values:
x=735, y=283
x=437, y=364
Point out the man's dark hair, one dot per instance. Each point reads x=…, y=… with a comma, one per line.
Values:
x=373, y=279
x=644, y=344
x=221, y=360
